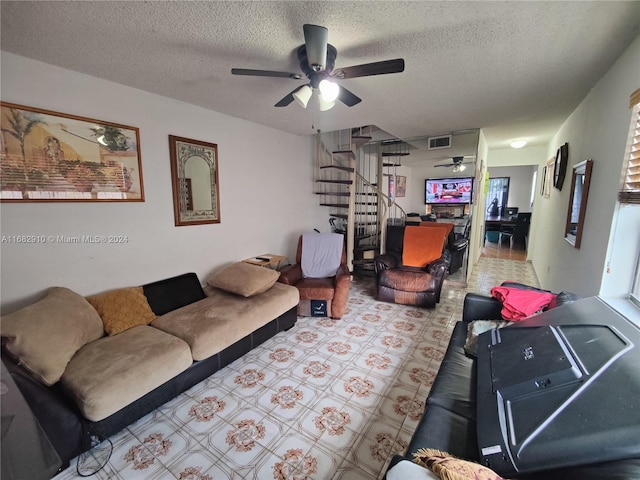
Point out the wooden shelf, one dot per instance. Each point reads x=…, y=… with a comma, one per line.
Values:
x=346, y=154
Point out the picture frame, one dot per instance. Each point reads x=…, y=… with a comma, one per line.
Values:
x=542, y=180
x=548, y=177
x=560, y=166
x=401, y=186
x=194, y=181
x=48, y=156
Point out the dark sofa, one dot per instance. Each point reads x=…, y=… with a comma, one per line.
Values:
x=70, y=433
x=449, y=421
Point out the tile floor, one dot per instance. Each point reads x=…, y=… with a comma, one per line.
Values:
x=329, y=399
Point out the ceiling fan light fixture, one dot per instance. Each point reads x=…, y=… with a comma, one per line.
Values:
x=328, y=90
x=325, y=105
x=302, y=95
x=461, y=168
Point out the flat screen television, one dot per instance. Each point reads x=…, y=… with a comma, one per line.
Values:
x=440, y=191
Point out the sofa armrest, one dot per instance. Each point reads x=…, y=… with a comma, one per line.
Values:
x=438, y=267
x=291, y=274
x=385, y=262
x=481, y=307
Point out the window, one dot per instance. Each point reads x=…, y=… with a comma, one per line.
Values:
x=630, y=191
x=497, y=196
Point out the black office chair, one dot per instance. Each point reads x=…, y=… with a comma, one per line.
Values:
x=519, y=233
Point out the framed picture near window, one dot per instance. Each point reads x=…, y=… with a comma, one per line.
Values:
x=401, y=186
x=548, y=177
x=48, y=156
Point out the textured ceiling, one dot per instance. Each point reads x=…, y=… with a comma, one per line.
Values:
x=515, y=69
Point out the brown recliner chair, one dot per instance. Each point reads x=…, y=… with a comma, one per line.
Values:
x=319, y=297
x=409, y=284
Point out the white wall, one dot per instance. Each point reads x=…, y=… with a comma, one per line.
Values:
x=598, y=130
x=266, y=193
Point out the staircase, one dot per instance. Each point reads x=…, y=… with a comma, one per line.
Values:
x=348, y=166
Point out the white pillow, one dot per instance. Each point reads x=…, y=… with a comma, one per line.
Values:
x=407, y=470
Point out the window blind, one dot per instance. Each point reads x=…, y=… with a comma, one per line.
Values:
x=630, y=192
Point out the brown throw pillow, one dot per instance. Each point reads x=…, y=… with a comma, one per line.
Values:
x=244, y=279
x=122, y=309
x=45, y=335
x=448, y=467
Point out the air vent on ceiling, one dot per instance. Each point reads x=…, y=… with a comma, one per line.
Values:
x=441, y=141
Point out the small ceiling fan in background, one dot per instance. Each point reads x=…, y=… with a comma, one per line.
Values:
x=317, y=60
x=459, y=163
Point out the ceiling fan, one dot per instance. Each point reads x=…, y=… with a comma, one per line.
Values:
x=317, y=60
x=458, y=163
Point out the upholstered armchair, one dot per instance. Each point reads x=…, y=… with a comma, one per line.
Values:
x=323, y=291
x=412, y=270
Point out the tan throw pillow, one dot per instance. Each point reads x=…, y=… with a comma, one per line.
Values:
x=45, y=335
x=244, y=279
x=448, y=467
x=122, y=309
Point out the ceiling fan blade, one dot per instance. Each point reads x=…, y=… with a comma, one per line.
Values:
x=348, y=98
x=315, y=40
x=369, y=69
x=264, y=73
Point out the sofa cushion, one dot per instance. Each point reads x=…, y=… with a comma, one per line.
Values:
x=445, y=430
x=408, y=279
x=172, y=293
x=110, y=373
x=218, y=321
x=122, y=309
x=448, y=467
x=244, y=279
x=45, y=335
x=454, y=386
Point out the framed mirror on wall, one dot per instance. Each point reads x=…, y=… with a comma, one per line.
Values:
x=194, y=177
x=580, y=181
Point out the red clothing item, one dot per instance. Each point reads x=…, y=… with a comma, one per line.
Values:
x=518, y=304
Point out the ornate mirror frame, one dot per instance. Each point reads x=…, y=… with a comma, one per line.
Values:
x=580, y=182
x=196, y=197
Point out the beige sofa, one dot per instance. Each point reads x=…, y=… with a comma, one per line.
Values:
x=91, y=366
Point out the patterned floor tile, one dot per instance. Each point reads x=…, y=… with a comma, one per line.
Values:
x=328, y=399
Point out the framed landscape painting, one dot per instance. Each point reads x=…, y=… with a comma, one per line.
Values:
x=48, y=156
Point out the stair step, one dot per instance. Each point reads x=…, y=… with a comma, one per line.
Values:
x=336, y=205
x=337, y=182
x=366, y=203
x=339, y=167
x=348, y=154
x=395, y=154
x=391, y=165
x=366, y=193
x=366, y=248
x=359, y=140
x=339, y=215
x=335, y=194
x=363, y=262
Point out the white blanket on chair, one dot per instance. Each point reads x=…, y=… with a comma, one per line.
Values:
x=321, y=254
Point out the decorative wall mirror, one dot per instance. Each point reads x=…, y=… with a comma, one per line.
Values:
x=194, y=177
x=578, y=202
